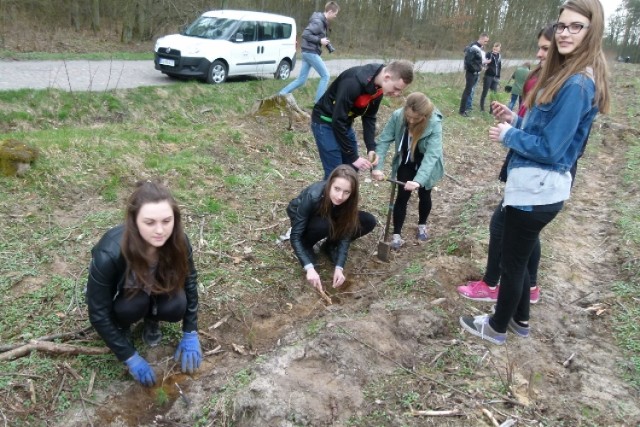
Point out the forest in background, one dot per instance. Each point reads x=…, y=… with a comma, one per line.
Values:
x=427, y=28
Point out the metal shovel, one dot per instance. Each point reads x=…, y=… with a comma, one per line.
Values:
x=384, y=247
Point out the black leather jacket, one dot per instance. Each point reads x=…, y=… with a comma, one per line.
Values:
x=300, y=211
x=107, y=273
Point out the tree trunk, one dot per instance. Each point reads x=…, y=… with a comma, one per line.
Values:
x=95, y=15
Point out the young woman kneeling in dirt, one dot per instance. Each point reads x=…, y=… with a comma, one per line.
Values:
x=143, y=269
x=416, y=130
x=328, y=209
x=572, y=88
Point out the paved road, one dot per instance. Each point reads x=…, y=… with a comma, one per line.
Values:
x=98, y=76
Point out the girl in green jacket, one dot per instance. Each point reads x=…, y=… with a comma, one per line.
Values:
x=416, y=130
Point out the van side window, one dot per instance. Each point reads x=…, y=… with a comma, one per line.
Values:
x=266, y=31
x=248, y=30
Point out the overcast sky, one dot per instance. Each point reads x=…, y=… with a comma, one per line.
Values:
x=609, y=7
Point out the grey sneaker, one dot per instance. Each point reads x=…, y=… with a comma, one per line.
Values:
x=396, y=242
x=151, y=334
x=422, y=234
x=521, y=331
x=480, y=327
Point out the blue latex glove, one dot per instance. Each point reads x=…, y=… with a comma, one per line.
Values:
x=140, y=370
x=189, y=352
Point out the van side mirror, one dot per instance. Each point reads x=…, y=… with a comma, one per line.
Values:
x=239, y=37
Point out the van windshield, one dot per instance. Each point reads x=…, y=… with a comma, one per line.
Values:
x=212, y=28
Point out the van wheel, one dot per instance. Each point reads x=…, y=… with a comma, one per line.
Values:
x=284, y=70
x=217, y=73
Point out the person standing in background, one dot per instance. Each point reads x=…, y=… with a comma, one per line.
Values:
x=473, y=62
x=314, y=37
x=492, y=74
x=519, y=77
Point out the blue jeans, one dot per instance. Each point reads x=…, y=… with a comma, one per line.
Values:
x=469, y=87
x=515, y=98
x=310, y=60
x=328, y=147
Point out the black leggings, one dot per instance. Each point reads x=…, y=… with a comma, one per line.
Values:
x=521, y=231
x=168, y=308
x=402, y=200
x=318, y=228
x=496, y=231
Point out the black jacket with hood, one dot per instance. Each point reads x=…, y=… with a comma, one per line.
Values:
x=315, y=31
x=352, y=94
x=107, y=273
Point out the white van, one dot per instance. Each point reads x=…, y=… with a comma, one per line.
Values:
x=224, y=43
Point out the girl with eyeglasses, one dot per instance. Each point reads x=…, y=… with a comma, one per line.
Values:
x=571, y=90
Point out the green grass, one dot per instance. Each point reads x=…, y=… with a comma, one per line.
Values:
x=92, y=56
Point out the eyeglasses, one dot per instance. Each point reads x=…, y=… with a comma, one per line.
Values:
x=574, y=28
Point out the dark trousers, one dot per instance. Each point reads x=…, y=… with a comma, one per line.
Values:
x=521, y=231
x=493, y=270
x=318, y=228
x=168, y=308
x=402, y=200
x=470, y=81
x=488, y=83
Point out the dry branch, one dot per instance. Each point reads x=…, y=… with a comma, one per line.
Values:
x=50, y=347
x=428, y=413
x=62, y=336
x=489, y=415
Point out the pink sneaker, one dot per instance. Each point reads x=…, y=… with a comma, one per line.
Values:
x=479, y=291
x=535, y=295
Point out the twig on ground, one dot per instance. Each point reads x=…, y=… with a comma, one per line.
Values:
x=489, y=415
x=84, y=409
x=325, y=297
x=448, y=413
x=216, y=350
x=567, y=362
x=508, y=399
x=17, y=374
x=32, y=391
x=267, y=228
x=220, y=322
x=55, y=397
x=61, y=336
x=49, y=347
x=91, y=381
x=453, y=179
x=72, y=371
x=4, y=418
x=580, y=298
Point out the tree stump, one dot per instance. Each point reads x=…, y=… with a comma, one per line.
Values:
x=280, y=105
x=16, y=157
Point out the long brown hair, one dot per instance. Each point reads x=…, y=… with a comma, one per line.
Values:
x=558, y=68
x=420, y=104
x=343, y=219
x=172, y=268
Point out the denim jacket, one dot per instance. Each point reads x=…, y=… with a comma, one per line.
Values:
x=552, y=135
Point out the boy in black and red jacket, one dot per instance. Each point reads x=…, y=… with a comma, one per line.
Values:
x=355, y=92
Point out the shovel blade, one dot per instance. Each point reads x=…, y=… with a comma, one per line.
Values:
x=384, y=251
